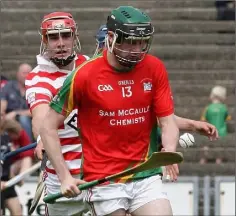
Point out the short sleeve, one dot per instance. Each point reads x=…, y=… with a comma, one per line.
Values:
x=163, y=100
x=70, y=94
x=38, y=89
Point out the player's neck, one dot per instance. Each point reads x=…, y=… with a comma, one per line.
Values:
x=69, y=67
x=112, y=61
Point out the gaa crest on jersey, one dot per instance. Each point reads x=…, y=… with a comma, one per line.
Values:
x=147, y=86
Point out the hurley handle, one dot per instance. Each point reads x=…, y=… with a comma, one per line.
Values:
x=53, y=197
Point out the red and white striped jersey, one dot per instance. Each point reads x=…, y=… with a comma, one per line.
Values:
x=42, y=84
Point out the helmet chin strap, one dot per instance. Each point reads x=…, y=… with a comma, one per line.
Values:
x=61, y=62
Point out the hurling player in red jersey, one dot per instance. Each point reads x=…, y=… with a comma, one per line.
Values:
x=59, y=55
x=201, y=127
x=119, y=96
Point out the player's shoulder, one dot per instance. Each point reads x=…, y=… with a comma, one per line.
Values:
x=88, y=66
x=45, y=71
x=80, y=58
x=36, y=72
x=44, y=78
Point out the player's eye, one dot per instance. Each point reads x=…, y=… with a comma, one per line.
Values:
x=66, y=35
x=53, y=36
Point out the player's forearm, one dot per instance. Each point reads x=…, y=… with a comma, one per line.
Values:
x=38, y=115
x=52, y=146
x=37, y=122
x=185, y=124
x=170, y=134
x=36, y=126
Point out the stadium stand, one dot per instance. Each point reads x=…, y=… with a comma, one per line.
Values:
x=198, y=51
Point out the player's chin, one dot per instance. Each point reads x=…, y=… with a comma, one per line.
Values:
x=61, y=55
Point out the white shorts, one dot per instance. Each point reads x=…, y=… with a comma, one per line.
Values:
x=103, y=200
x=67, y=209
x=63, y=206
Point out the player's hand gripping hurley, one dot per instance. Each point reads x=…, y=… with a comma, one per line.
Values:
x=157, y=159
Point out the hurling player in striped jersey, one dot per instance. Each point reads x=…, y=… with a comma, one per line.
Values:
x=59, y=55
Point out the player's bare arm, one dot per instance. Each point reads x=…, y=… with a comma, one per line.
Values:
x=170, y=132
x=49, y=136
x=201, y=127
x=50, y=139
x=38, y=114
x=170, y=137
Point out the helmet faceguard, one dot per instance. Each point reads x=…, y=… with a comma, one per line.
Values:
x=132, y=34
x=60, y=24
x=100, y=39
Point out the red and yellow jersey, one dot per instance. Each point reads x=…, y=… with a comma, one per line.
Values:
x=42, y=84
x=117, y=112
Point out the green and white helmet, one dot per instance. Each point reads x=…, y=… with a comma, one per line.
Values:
x=130, y=26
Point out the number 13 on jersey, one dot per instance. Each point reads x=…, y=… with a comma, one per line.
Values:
x=126, y=91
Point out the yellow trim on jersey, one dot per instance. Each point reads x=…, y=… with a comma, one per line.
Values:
x=71, y=95
x=146, y=157
x=126, y=178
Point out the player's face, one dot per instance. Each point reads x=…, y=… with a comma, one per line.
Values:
x=60, y=45
x=132, y=49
